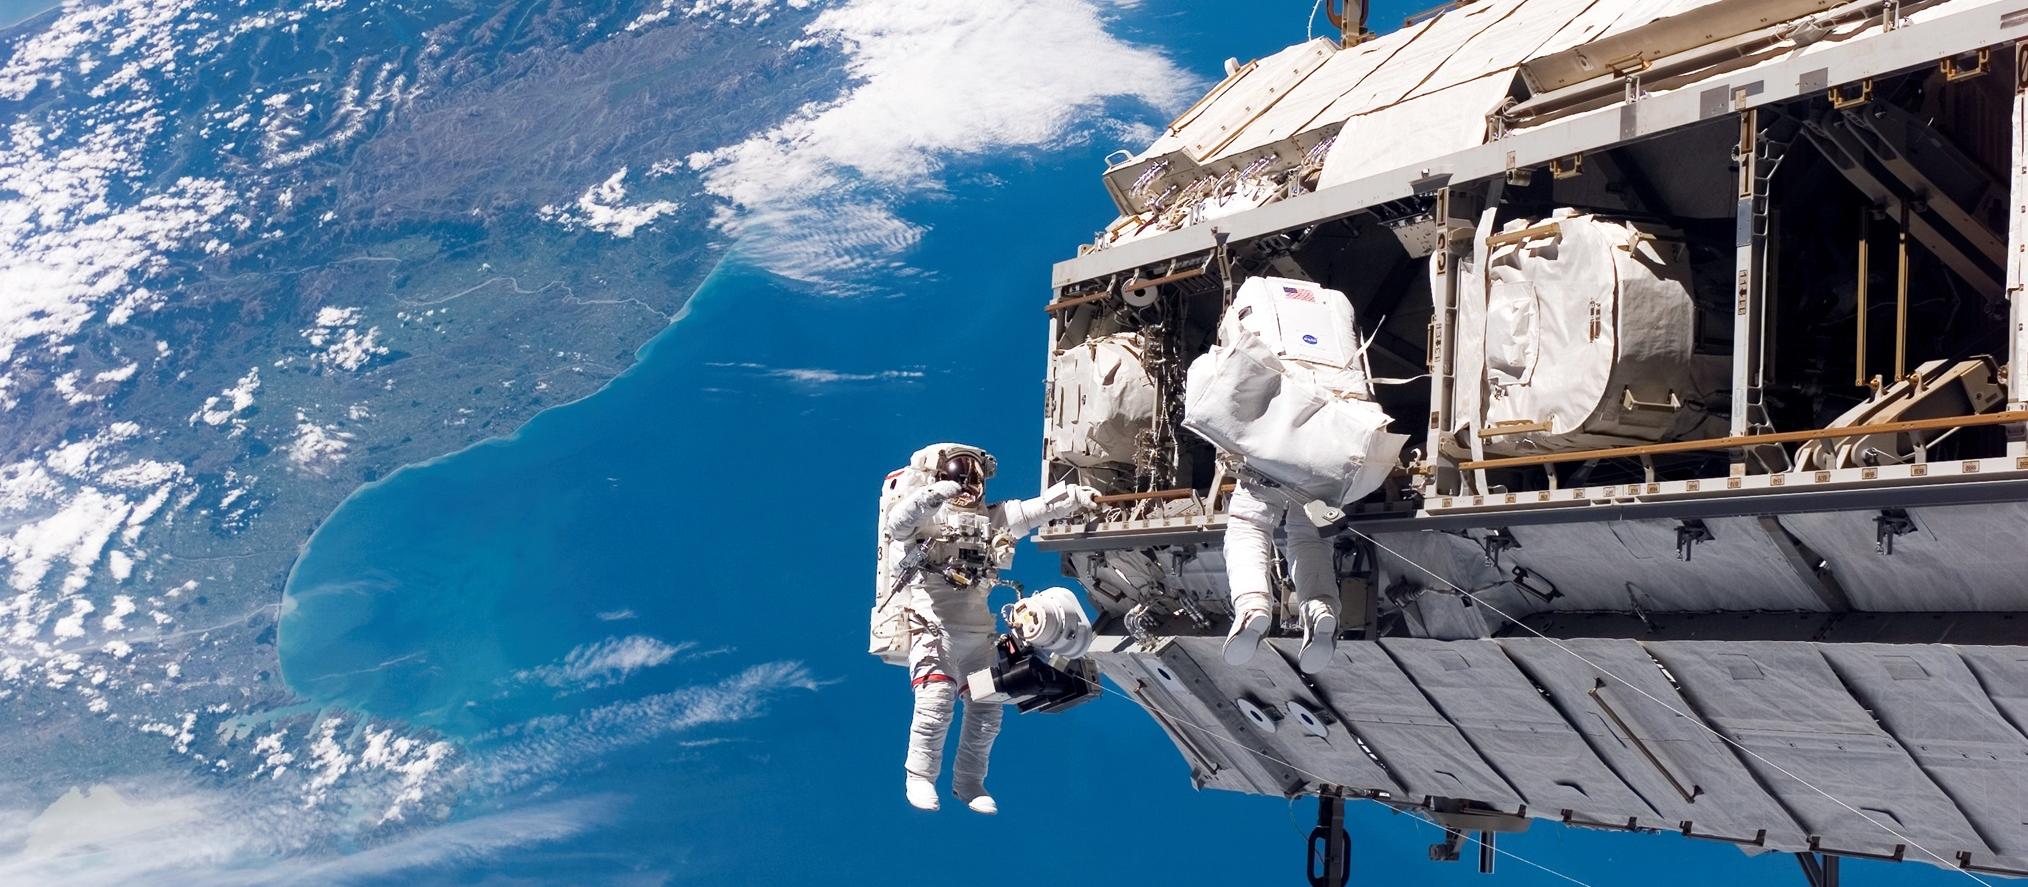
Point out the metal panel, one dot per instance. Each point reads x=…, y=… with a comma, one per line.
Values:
x=1593, y=23
x=1627, y=709
x=1424, y=752
x=1414, y=64
x=1246, y=100
x=1299, y=111
x=2003, y=673
x=2017, y=246
x=1629, y=39
x=1517, y=731
x=1437, y=610
x=1929, y=700
x=1210, y=760
x=1441, y=122
x=1978, y=547
x=1268, y=682
x=1935, y=32
x=1504, y=44
x=1811, y=743
x=1209, y=719
x=1624, y=565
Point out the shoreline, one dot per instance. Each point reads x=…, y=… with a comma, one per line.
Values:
x=726, y=269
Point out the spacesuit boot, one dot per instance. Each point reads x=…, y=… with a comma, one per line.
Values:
x=1252, y=615
x=1320, y=636
x=977, y=729
x=922, y=794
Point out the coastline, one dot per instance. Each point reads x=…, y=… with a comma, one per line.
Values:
x=726, y=269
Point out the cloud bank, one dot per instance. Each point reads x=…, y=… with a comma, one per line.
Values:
x=927, y=84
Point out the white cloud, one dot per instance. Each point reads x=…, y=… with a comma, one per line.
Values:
x=336, y=331
x=614, y=615
x=733, y=11
x=104, y=837
x=537, y=749
x=606, y=662
x=928, y=83
x=603, y=207
x=829, y=377
x=317, y=447
x=225, y=405
x=822, y=376
x=76, y=534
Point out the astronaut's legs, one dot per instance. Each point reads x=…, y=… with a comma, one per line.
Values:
x=937, y=660
x=979, y=727
x=1316, y=595
x=1249, y=564
x=1250, y=525
x=936, y=692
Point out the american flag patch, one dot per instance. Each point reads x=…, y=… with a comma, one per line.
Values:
x=1300, y=295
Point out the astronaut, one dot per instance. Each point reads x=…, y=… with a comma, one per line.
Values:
x=1296, y=341
x=1255, y=512
x=951, y=547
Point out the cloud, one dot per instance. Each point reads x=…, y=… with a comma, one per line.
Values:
x=540, y=748
x=831, y=377
x=317, y=447
x=604, y=208
x=463, y=842
x=928, y=83
x=821, y=376
x=104, y=837
x=310, y=819
x=605, y=663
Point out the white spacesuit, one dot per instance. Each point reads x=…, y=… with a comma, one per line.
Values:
x=1285, y=395
x=951, y=547
x=1251, y=520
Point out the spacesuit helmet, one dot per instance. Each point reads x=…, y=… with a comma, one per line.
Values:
x=968, y=472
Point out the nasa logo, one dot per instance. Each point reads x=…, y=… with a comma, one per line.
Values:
x=1309, y=339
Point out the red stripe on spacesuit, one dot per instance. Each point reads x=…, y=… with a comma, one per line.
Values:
x=933, y=676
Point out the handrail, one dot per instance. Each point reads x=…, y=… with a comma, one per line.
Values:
x=1074, y=301
x=1749, y=440
x=1182, y=493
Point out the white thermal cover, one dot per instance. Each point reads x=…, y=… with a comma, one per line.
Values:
x=1286, y=390
x=1558, y=329
x=1103, y=398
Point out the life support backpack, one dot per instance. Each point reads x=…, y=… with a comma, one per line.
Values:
x=889, y=637
x=1286, y=389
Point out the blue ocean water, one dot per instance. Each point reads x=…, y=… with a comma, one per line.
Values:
x=721, y=493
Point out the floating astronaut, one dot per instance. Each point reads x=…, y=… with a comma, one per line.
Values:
x=1286, y=397
x=941, y=550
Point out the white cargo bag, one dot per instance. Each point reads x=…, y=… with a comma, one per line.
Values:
x=1284, y=390
x=1101, y=401
x=1578, y=335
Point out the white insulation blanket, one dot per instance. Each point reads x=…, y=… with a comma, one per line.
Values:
x=1578, y=334
x=1102, y=399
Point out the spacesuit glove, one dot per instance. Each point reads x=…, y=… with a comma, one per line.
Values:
x=1084, y=498
x=944, y=490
